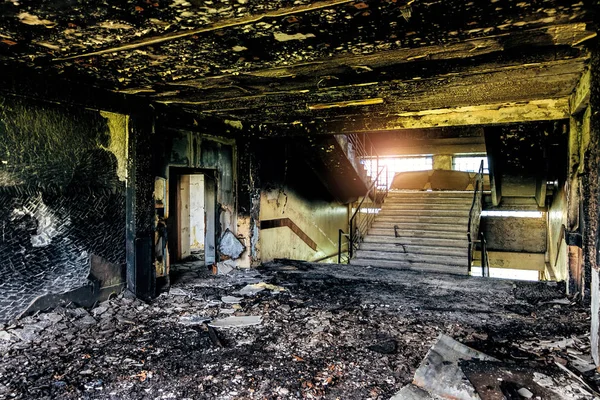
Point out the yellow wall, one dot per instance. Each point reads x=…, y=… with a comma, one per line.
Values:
x=319, y=220
x=557, y=248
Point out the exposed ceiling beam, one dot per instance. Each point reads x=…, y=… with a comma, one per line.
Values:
x=581, y=96
x=389, y=144
x=227, y=23
x=478, y=83
x=488, y=114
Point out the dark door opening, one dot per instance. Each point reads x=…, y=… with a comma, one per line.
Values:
x=192, y=214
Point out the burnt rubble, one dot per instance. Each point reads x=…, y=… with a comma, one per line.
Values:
x=317, y=331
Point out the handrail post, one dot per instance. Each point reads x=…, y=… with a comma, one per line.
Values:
x=340, y=232
x=485, y=270
x=470, y=253
x=351, y=243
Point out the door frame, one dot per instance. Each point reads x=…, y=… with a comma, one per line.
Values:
x=210, y=210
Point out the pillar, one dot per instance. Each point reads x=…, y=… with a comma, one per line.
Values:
x=140, y=207
x=248, y=202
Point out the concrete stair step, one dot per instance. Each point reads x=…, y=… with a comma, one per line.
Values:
x=460, y=228
x=427, y=200
x=418, y=241
x=413, y=258
x=456, y=251
x=416, y=220
x=426, y=207
x=423, y=267
x=423, y=234
x=432, y=194
x=423, y=213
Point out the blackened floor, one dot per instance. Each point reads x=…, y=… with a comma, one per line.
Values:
x=325, y=331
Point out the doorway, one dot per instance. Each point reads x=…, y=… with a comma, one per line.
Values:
x=192, y=216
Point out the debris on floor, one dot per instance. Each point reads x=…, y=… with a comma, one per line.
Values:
x=236, y=322
x=224, y=267
x=335, y=332
x=253, y=289
x=440, y=373
x=451, y=370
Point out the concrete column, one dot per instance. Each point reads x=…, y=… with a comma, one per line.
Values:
x=442, y=161
x=248, y=200
x=140, y=211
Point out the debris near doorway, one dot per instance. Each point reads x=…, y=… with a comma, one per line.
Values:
x=224, y=267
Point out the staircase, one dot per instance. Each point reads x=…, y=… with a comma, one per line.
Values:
x=425, y=231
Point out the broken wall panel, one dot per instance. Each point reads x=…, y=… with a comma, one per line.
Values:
x=62, y=198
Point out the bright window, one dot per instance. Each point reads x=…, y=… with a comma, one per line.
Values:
x=399, y=164
x=470, y=163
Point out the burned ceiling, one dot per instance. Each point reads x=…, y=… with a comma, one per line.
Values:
x=319, y=64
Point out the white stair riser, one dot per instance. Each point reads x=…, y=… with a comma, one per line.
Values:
x=411, y=266
x=462, y=242
x=422, y=258
x=457, y=251
x=404, y=233
x=457, y=221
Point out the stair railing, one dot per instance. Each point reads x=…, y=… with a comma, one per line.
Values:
x=366, y=211
x=369, y=205
x=474, y=235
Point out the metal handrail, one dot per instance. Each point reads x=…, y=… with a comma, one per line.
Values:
x=373, y=198
x=372, y=201
x=342, y=234
x=475, y=216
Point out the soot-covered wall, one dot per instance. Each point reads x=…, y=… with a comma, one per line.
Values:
x=299, y=217
x=62, y=203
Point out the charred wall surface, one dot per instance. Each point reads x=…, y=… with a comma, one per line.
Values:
x=61, y=199
x=299, y=217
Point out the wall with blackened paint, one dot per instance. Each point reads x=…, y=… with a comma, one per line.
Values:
x=61, y=197
x=320, y=220
x=293, y=195
x=192, y=151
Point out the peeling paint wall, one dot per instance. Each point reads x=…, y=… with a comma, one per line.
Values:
x=118, y=125
x=61, y=196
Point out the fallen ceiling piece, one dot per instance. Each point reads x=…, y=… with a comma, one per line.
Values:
x=192, y=320
x=412, y=392
x=236, y=322
x=497, y=381
x=225, y=267
x=231, y=299
x=440, y=373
